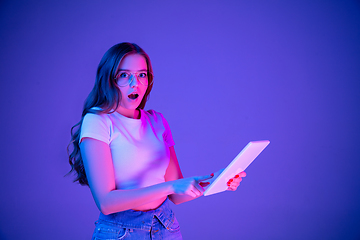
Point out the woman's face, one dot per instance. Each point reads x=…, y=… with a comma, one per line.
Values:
x=132, y=72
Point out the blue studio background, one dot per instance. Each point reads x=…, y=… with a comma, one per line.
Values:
x=226, y=72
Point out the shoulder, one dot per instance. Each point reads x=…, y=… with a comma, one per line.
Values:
x=96, y=116
x=158, y=121
x=96, y=125
x=152, y=114
x=156, y=118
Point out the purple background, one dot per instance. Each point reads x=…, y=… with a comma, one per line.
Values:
x=226, y=72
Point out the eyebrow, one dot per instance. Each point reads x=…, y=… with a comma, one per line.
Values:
x=141, y=70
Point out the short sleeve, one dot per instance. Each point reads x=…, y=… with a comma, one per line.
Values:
x=96, y=126
x=168, y=138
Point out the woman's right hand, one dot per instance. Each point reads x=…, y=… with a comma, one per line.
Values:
x=192, y=186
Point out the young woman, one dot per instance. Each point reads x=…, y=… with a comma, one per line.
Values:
x=126, y=155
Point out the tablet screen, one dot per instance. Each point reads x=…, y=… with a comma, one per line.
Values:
x=239, y=164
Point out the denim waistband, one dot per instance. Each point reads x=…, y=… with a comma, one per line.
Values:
x=141, y=219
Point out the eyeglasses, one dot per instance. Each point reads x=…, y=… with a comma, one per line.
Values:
x=125, y=78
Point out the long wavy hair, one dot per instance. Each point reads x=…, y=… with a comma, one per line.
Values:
x=106, y=96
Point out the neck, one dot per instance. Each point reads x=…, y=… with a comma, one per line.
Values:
x=129, y=113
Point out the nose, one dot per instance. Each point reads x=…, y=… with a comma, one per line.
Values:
x=134, y=81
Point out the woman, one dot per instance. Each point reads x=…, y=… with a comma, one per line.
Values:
x=126, y=155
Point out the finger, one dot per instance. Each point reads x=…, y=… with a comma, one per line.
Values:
x=198, y=192
x=232, y=184
x=240, y=175
x=231, y=180
x=202, y=178
x=191, y=193
x=204, y=184
x=199, y=188
x=236, y=180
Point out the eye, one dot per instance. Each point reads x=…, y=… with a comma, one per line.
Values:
x=123, y=75
x=142, y=75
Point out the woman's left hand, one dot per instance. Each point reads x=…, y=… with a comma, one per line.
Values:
x=234, y=182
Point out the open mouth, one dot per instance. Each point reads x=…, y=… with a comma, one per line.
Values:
x=133, y=96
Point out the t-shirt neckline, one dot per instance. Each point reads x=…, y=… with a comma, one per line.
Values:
x=131, y=119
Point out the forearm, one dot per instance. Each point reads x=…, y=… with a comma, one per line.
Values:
x=121, y=200
x=181, y=198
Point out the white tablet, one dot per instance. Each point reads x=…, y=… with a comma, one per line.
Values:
x=239, y=164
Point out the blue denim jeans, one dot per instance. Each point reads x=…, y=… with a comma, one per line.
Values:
x=155, y=224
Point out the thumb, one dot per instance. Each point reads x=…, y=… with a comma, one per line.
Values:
x=202, y=178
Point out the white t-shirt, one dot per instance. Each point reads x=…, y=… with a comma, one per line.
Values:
x=139, y=147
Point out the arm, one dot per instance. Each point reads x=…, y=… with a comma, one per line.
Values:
x=99, y=169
